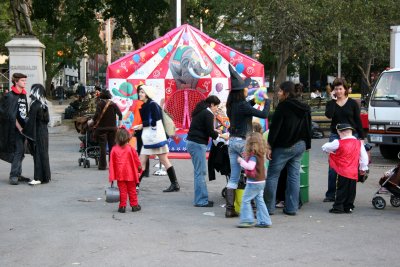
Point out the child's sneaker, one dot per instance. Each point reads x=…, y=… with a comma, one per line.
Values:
x=136, y=208
x=246, y=225
x=121, y=209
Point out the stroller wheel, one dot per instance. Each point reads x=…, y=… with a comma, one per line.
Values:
x=223, y=192
x=80, y=162
x=379, y=203
x=87, y=163
x=395, y=201
x=96, y=160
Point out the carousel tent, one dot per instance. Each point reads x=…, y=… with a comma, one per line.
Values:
x=184, y=66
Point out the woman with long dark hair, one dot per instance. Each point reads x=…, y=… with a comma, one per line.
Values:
x=240, y=113
x=38, y=135
x=201, y=129
x=289, y=136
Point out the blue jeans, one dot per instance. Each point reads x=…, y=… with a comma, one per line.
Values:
x=198, y=154
x=236, y=148
x=254, y=191
x=291, y=157
x=331, y=172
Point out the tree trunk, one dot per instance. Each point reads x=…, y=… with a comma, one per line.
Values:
x=281, y=70
x=365, y=70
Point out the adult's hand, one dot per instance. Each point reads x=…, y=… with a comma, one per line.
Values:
x=138, y=127
x=268, y=154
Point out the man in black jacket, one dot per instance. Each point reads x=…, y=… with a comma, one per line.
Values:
x=13, y=114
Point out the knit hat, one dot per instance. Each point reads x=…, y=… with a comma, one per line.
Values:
x=237, y=83
x=344, y=126
x=149, y=91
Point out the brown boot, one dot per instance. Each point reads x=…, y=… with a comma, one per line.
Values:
x=230, y=206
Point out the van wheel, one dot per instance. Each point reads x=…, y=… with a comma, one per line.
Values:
x=389, y=152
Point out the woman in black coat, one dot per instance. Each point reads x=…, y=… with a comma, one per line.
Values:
x=38, y=135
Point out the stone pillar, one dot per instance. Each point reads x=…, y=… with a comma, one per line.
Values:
x=27, y=57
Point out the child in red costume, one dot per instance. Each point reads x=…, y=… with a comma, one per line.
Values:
x=125, y=167
x=346, y=156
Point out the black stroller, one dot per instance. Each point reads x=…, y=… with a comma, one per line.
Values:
x=89, y=148
x=390, y=185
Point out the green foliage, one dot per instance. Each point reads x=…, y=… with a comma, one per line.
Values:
x=6, y=25
x=305, y=32
x=139, y=18
x=69, y=29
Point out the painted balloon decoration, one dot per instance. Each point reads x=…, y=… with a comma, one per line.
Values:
x=232, y=54
x=219, y=87
x=136, y=58
x=240, y=68
x=162, y=52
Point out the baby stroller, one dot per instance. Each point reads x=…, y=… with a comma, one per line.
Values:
x=89, y=148
x=390, y=185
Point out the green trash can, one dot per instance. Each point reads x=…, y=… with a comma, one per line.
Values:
x=304, y=176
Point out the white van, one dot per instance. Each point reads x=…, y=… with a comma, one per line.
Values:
x=384, y=113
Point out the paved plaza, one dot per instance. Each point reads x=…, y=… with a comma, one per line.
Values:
x=68, y=223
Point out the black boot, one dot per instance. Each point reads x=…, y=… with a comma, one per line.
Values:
x=230, y=206
x=147, y=170
x=174, y=182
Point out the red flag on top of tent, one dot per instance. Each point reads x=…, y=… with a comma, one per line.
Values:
x=184, y=66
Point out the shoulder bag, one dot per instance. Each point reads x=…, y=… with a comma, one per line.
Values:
x=154, y=137
x=94, y=137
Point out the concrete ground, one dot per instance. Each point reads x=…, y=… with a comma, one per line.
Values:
x=68, y=223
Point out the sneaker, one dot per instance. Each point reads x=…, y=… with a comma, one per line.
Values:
x=121, y=209
x=13, y=180
x=280, y=205
x=246, y=225
x=263, y=225
x=136, y=208
x=208, y=205
x=34, y=182
x=328, y=199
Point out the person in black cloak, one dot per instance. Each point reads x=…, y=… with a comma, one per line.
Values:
x=13, y=113
x=38, y=136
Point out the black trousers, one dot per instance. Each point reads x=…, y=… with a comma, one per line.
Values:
x=105, y=136
x=345, y=193
x=16, y=165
